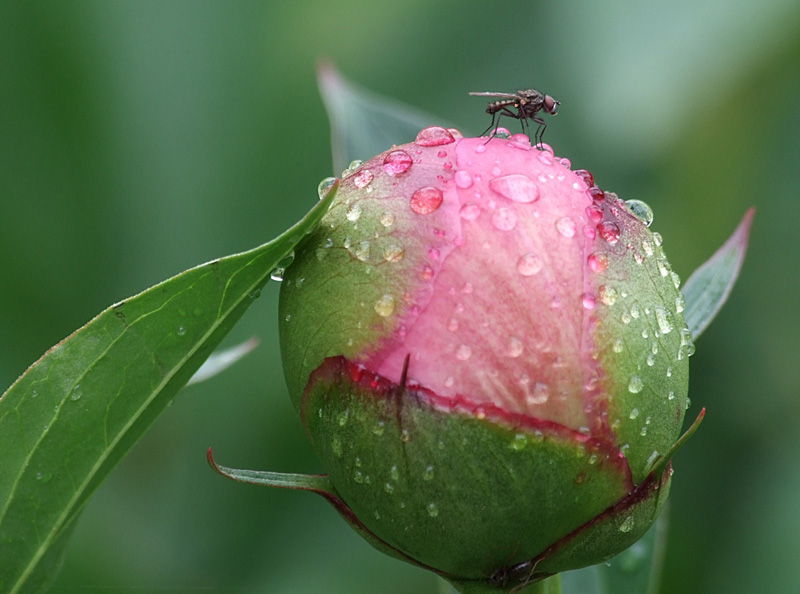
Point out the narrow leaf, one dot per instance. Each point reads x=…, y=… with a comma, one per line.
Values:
x=364, y=123
x=318, y=483
x=71, y=417
x=219, y=361
x=636, y=570
x=708, y=287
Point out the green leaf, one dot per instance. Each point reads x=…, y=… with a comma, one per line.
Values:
x=363, y=123
x=636, y=570
x=72, y=416
x=709, y=286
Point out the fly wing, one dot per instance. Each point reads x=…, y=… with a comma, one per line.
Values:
x=498, y=95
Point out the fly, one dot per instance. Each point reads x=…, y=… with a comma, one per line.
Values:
x=523, y=105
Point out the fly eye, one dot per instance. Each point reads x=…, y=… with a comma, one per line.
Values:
x=550, y=104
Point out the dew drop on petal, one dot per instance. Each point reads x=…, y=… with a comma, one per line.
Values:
x=588, y=301
x=363, y=178
x=434, y=136
x=397, y=162
x=393, y=252
x=663, y=320
x=598, y=261
x=470, y=211
x=426, y=200
x=463, y=179
x=520, y=141
x=504, y=219
x=515, y=347
x=529, y=264
x=566, y=226
x=539, y=395
x=516, y=187
x=608, y=295
x=609, y=232
x=463, y=352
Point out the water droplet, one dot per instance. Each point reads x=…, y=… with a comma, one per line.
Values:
x=393, y=252
x=387, y=219
x=354, y=212
x=595, y=213
x=609, y=232
x=397, y=162
x=687, y=343
x=647, y=246
x=635, y=312
x=627, y=524
x=426, y=200
x=598, y=261
x=342, y=417
x=394, y=473
x=433, y=510
x=671, y=395
x=680, y=303
x=354, y=164
x=588, y=301
x=663, y=319
x=515, y=347
x=434, y=136
x=608, y=295
x=384, y=306
x=379, y=428
x=452, y=325
x=519, y=442
x=643, y=432
x=449, y=381
x=426, y=273
x=336, y=447
x=181, y=331
x=480, y=148
x=529, y=264
x=388, y=487
x=76, y=393
x=566, y=226
x=634, y=414
x=504, y=219
x=516, y=187
x=34, y=393
x=663, y=266
x=463, y=179
x=359, y=477
x=362, y=251
x=470, y=211
x=651, y=359
x=428, y=474
x=545, y=154
x=641, y=210
x=635, y=385
x=325, y=186
x=540, y=394
x=619, y=346
x=463, y=352
x=277, y=274
x=520, y=141
x=363, y=178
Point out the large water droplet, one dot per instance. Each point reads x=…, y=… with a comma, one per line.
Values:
x=516, y=187
x=529, y=264
x=504, y=219
x=397, y=162
x=426, y=200
x=325, y=186
x=434, y=136
x=384, y=306
x=641, y=210
x=519, y=442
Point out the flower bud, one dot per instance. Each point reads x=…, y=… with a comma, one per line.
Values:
x=489, y=356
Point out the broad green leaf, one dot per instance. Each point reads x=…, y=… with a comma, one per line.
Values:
x=636, y=570
x=709, y=286
x=72, y=416
x=363, y=123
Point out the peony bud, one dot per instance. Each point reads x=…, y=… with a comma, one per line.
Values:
x=489, y=356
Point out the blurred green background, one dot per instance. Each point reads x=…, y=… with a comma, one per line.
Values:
x=140, y=138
